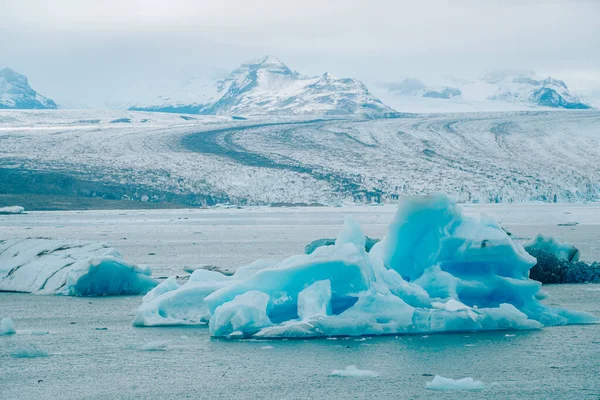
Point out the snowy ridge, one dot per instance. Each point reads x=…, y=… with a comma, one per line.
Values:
x=268, y=87
x=16, y=93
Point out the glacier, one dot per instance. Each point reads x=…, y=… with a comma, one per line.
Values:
x=437, y=270
x=66, y=267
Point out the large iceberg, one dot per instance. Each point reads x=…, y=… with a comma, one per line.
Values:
x=435, y=271
x=74, y=268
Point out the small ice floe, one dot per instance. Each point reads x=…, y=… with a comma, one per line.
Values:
x=11, y=210
x=362, y=339
x=570, y=223
x=157, y=345
x=29, y=352
x=351, y=370
x=6, y=326
x=332, y=338
x=441, y=383
x=267, y=347
x=510, y=335
x=469, y=345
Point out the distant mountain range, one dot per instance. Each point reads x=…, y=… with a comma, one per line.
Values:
x=268, y=87
x=500, y=90
x=16, y=93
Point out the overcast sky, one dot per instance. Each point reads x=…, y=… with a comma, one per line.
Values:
x=84, y=51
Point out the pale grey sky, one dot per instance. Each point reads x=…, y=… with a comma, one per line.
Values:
x=84, y=51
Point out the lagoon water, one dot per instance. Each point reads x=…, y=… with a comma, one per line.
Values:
x=93, y=352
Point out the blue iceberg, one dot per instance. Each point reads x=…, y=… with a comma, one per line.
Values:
x=435, y=271
x=66, y=267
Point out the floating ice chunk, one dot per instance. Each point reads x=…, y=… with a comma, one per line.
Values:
x=208, y=267
x=11, y=210
x=315, y=300
x=6, y=326
x=562, y=250
x=47, y=266
x=351, y=370
x=436, y=271
x=157, y=345
x=246, y=313
x=267, y=347
x=441, y=383
x=29, y=352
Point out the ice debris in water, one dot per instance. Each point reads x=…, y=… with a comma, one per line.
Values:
x=11, y=210
x=436, y=270
x=351, y=370
x=6, y=326
x=29, y=352
x=49, y=266
x=441, y=383
x=157, y=345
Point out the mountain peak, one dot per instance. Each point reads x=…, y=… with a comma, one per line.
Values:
x=15, y=92
x=269, y=60
x=11, y=75
x=266, y=86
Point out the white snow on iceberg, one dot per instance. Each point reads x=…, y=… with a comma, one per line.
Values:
x=441, y=383
x=436, y=271
x=47, y=266
x=11, y=210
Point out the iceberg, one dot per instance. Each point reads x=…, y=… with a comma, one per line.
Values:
x=7, y=327
x=352, y=371
x=437, y=270
x=441, y=383
x=561, y=250
x=73, y=268
x=11, y=210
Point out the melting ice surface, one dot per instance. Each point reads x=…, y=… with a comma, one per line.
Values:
x=48, y=266
x=435, y=271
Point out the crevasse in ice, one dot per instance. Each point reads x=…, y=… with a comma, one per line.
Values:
x=435, y=271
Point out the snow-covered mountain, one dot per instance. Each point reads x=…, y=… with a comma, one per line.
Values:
x=268, y=87
x=15, y=92
x=496, y=91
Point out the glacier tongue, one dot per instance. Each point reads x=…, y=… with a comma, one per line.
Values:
x=73, y=268
x=436, y=271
